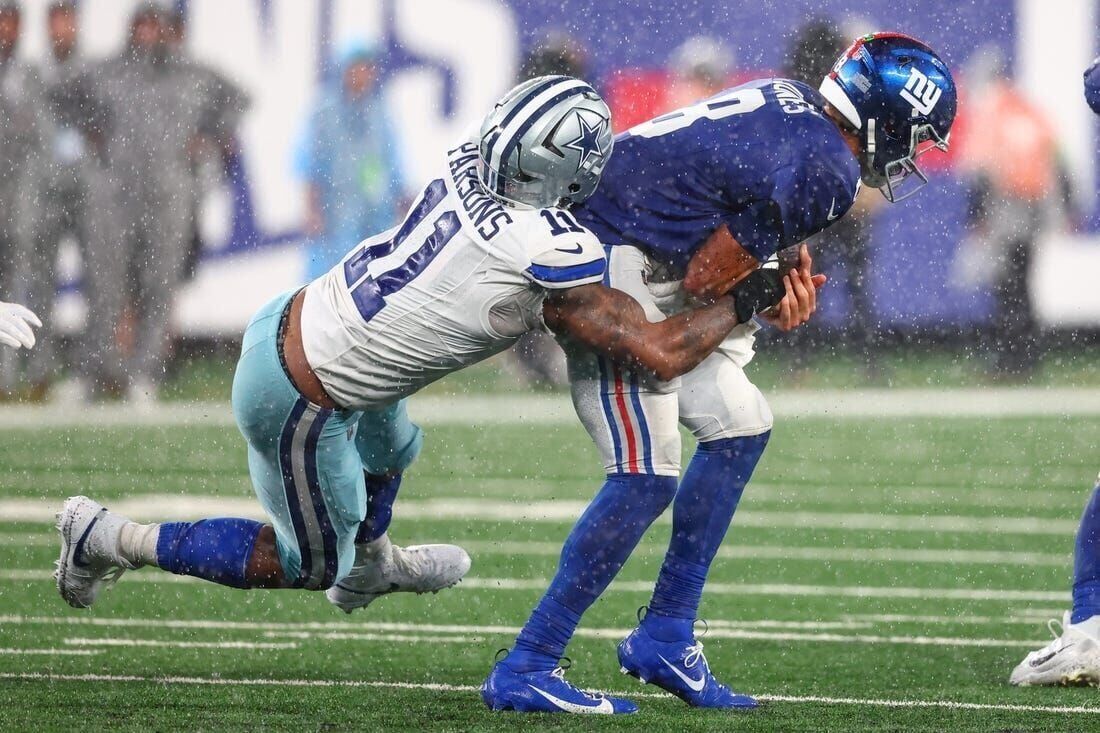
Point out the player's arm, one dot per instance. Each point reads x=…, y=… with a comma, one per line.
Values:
x=612, y=323
x=717, y=265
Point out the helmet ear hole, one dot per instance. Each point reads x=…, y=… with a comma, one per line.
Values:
x=574, y=187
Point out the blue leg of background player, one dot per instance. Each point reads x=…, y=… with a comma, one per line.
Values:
x=1074, y=655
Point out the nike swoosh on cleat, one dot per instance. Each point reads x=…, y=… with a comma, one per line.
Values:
x=695, y=685
x=1043, y=660
x=576, y=251
x=79, y=549
x=604, y=708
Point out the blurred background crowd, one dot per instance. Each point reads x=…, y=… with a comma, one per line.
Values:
x=114, y=164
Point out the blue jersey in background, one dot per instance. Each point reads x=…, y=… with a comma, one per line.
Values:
x=761, y=158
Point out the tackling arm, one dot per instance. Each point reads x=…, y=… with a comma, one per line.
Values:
x=614, y=324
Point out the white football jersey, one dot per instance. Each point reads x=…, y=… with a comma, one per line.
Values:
x=459, y=280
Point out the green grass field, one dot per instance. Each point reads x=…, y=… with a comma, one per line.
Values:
x=881, y=574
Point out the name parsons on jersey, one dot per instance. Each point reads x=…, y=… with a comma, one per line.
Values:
x=486, y=213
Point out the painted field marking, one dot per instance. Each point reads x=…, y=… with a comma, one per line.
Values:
x=368, y=636
x=532, y=409
x=164, y=507
x=439, y=687
x=823, y=554
x=645, y=586
x=182, y=644
x=419, y=632
x=10, y=651
x=735, y=552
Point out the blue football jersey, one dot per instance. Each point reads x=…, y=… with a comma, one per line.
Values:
x=761, y=158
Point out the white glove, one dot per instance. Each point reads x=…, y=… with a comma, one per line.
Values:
x=15, y=325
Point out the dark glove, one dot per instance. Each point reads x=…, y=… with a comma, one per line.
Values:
x=762, y=289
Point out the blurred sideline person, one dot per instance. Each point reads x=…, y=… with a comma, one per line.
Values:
x=349, y=162
x=486, y=252
x=1018, y=185
x=848, y=242
x=17, y=325
x=153, y=124
x=690, y=202
x=23, y=122
x=700, y=67
x=537, y=358
x=222, y=104
x=1073, y=658
x=71, y=187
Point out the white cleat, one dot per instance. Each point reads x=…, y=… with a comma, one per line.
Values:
x=382, y=567
x=89, y=559
x=1073, y=658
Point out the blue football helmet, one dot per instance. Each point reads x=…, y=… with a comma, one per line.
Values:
x=900, y=98
x=1092, y=86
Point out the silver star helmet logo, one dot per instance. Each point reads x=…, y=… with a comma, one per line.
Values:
x=588, y=142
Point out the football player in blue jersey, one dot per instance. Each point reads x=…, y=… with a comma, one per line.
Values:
x=1073, y=657
x=691, y=201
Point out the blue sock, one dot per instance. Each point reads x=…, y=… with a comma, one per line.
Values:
x=599, y=544
x=701, y=514
x=1086, y=562
x=381, y=494
x=212, y=549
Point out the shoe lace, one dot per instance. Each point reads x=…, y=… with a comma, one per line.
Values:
x=694, y=655
x=1056, y=630
x=559, y=674
x=112, y=576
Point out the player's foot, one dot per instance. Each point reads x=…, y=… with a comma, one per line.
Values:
x=1073, y=658
x=545, y=691
x=142, y=393
x=89, y=551
x=678, y=667
x=382, y=567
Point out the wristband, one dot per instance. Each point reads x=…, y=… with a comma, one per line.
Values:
x=762, y=289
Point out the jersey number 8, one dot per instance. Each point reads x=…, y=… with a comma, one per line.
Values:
x=727, y=104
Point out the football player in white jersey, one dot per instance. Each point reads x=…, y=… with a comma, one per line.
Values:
x=486, y=253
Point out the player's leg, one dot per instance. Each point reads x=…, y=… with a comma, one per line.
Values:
x=1074, y=655
x=108, y=249
x=160, y=273
x=307, y=476
x=387, y=443
x=732, y=422
x=41, y=226
x=633, y=422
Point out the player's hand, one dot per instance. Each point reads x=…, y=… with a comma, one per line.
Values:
x=800, y=302
x=15, y=325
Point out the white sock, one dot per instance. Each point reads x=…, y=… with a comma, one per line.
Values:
x=137, y=543
x=1090, y=626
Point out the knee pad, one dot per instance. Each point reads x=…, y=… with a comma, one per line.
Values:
x=718, y=401
x=387, y=440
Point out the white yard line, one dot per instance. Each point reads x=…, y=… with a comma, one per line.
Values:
x=182, y=644
x=733, y=552
x=49, y=652
x=438, y=687
x=645, y=586
x=163, y=507
x=533, y=409
x=391, y=632
x=381, y=637
x=822, y=554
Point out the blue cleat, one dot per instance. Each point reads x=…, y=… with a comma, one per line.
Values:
x=678, y=667
x=545, y=692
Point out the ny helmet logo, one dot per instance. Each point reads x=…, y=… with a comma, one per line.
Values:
x=921, y=92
